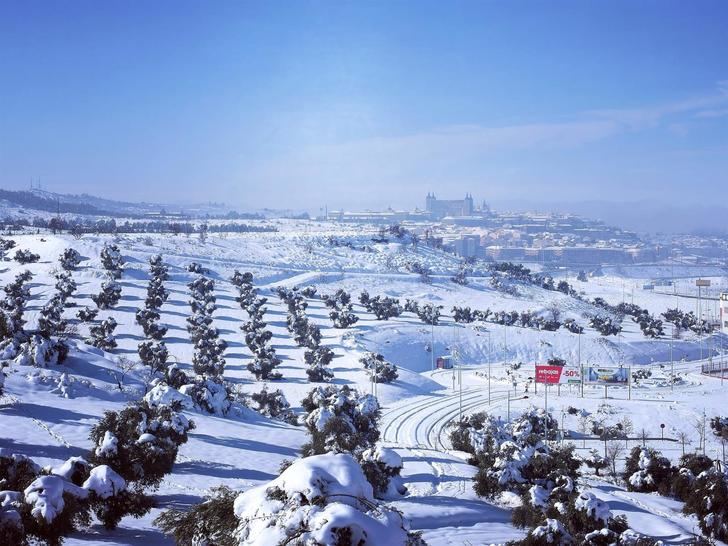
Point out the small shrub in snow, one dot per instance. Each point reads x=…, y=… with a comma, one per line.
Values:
x=195, y=267
x=378, y=368
x=324, y=499
x=340, y=420
x=102, y=335
x=41, y=352
x=341, y=309
x=157, y=268
x=382, y=467
x=65, y=285
x=154, y=355
x=263, y=367
x=87, y=314
x=210, y=522
x=50, y=318
x=112, y=261
x=208, y=394
x=148, y=319
x=157, y=294
x=429, y=313
x=272, y=404
x=646, y=470
x=318, y=360
x=709, y=503
x=596, y=461
x=140, y=442
x=26, y=257
x=70, y=259
x=109, y=295
x=5, y=245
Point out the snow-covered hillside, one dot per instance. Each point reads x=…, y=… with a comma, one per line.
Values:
x=47, y=413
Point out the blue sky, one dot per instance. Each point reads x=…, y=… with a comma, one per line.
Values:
x=366, y=104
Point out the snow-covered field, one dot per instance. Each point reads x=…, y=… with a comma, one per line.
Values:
x=244, y=449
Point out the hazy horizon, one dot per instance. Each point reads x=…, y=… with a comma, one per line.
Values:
x=367, y=105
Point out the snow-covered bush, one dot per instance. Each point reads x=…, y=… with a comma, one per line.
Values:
x=109, y=295
x=578, y=518
x=212, y=522
x=646, y=470
x=340, y=420
x=140, y=442
x=272, y=404
x=41, y=352
x=102, y=335
x=13, y=305
x=112, y=261
x=208, y=394
x=195, y=267
x=50, y=318
x=154, y=355
x=382, y=467
x=157, y=294
x=383, y=308
x=263, y=366
x=379, y=369
x=709, y=503
x=429, y=313
x=148, y=319
x=87, y=314
x=605, y=325
x=512, y=457
x=318, y=360
x=65, y=285
x=324, y=499
x=26, y=257
x=341, y=309
x=596, y=461
x=157, y=268
x=5, y=245
x=69, y=259
x=208, y=360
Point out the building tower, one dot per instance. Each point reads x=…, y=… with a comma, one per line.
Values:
x=468, y=205
x=429, y=201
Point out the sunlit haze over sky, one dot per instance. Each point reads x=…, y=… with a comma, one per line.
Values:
x=366, y=104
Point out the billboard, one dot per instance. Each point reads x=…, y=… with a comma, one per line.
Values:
x=554, y=375
x=607, y=376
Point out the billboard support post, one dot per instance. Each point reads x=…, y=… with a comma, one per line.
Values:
x=546, y=411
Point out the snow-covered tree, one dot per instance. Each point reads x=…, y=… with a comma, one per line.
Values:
x=318, y=360
x=65, y=285
x=109, y=295
x=148, y=319
x=102, y=335
x=323, y=499
x=646, y=470
x=379, y=369
x=24, y=257
x=87, y=314
x=596, y=461
x=272, y=404
x=341, y=309
x=429, y=313
x=157, y=294
x=340, y=420
x=70, y=259
x=157, y=268
x=154, y=355
x=112, y=261
x=139, y=442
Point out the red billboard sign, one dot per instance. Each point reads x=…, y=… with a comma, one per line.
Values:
x=554, y=375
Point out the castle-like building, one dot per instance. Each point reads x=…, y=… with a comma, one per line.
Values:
x=439, y=208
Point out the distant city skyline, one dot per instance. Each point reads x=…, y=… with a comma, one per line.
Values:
x=367, y=104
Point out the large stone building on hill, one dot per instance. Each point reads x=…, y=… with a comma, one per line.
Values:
x=439, y=208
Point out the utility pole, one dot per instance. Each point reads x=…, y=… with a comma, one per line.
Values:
x=490, y=359
x=432, y=345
